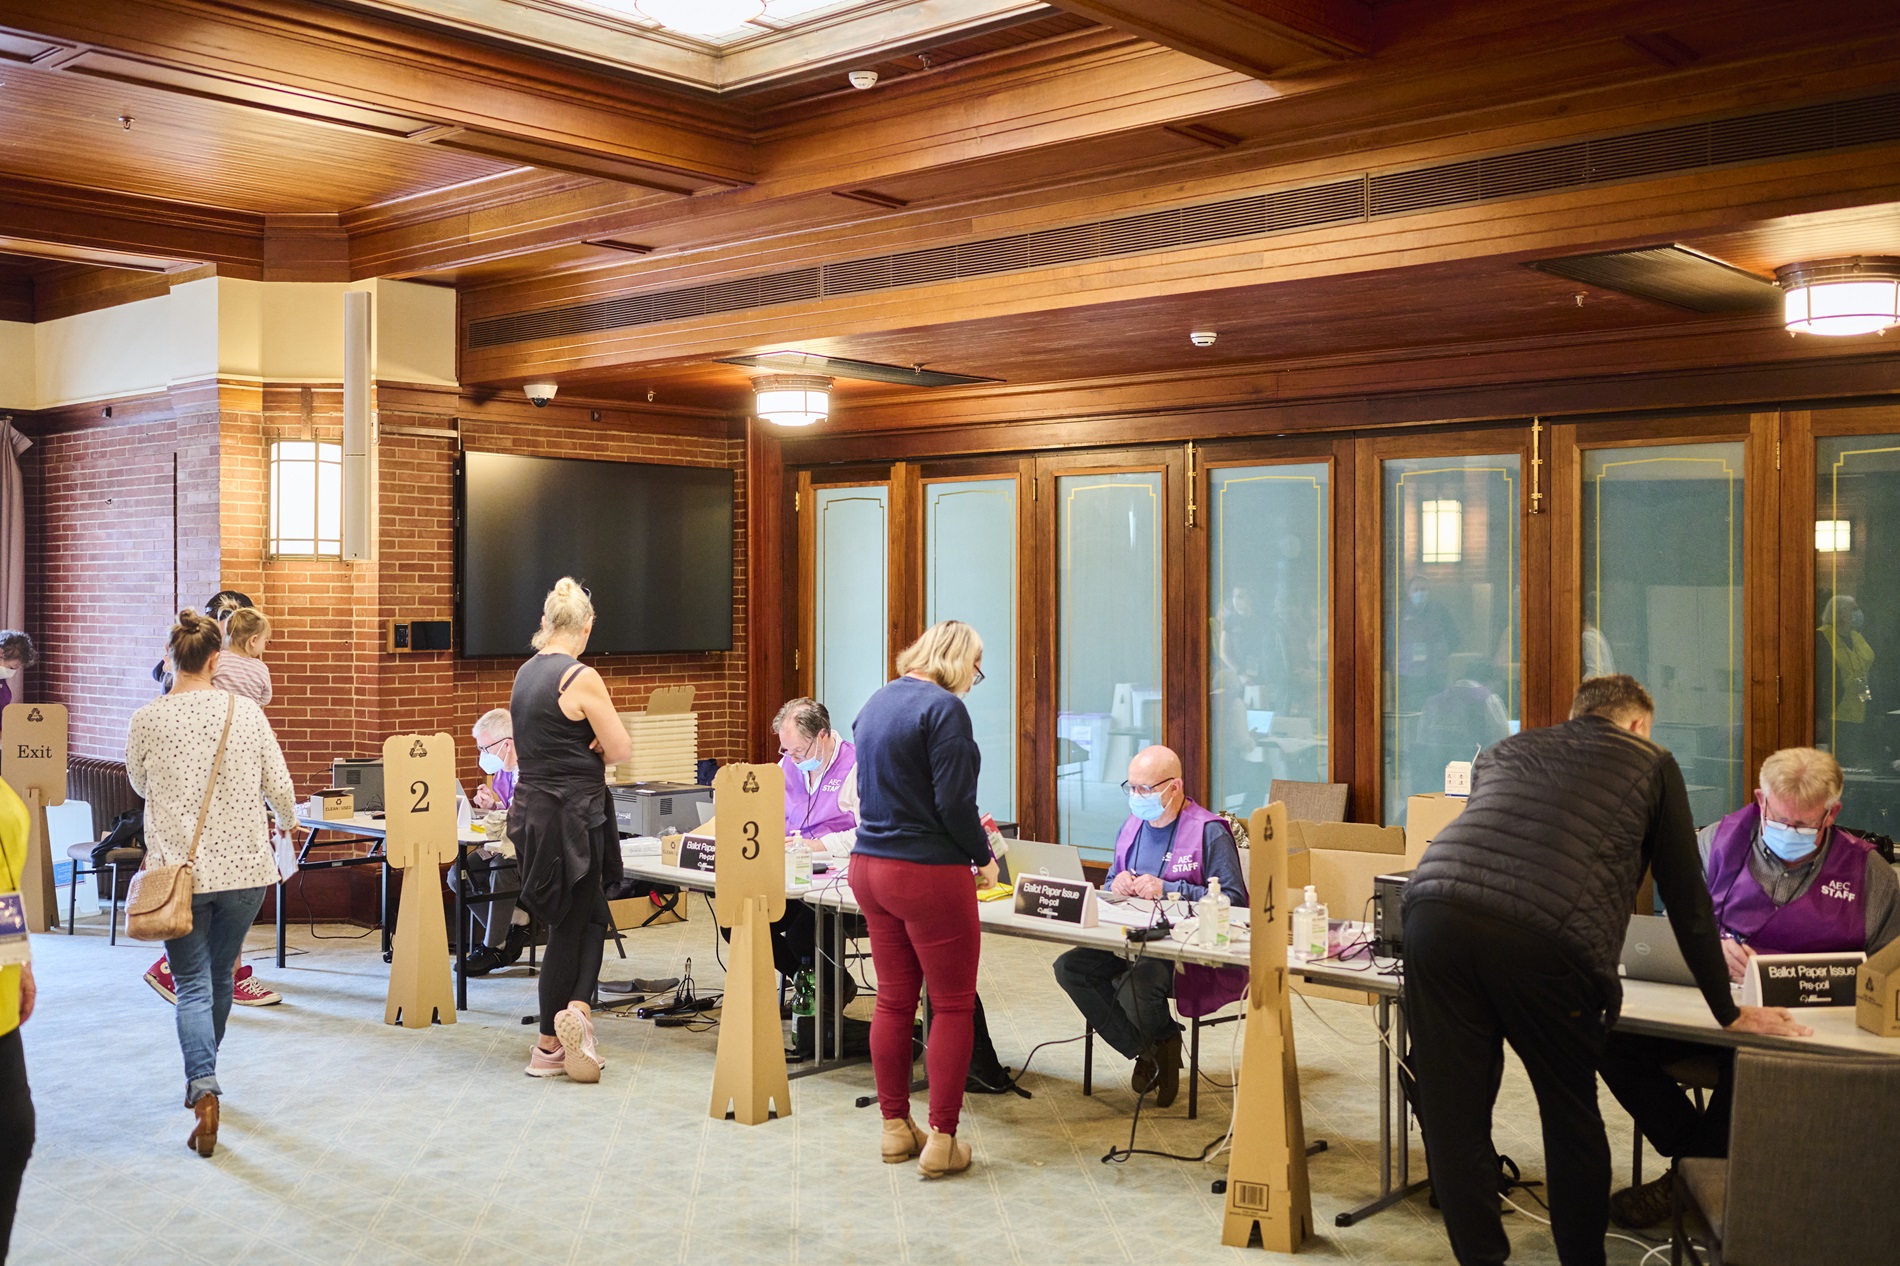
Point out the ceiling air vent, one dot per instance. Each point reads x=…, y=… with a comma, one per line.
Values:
x=1672, y=274
x=1666, y=151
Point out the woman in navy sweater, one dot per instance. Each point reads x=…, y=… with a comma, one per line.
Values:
x=919, y=841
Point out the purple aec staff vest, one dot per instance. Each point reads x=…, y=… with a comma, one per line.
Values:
x=1198, y=990
x=814, y=813
x=1827, y=917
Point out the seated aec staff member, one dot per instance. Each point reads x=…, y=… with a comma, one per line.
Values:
x=1784, y=880
x=821, y=807
x=1513, y=928
x=504, y=925
x=1168, y=845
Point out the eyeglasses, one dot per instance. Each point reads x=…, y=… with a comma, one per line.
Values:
x=807, y=753
x=977, y=680
x=506, y=738
x=1136, y=788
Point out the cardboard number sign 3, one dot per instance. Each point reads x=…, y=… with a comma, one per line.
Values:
x=749, y=881
x=33, y=762
x=419, y=814
x=1267, y=1192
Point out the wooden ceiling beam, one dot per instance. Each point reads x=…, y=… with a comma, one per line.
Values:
x=1605, y=217
x=1262, y=38
x=303, y=59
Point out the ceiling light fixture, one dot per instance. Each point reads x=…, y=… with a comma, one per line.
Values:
x=701, y=17
x=1856, y=294
x=792, y=399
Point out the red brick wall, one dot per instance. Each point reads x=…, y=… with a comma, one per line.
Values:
x=100, y=541
x=101, y=587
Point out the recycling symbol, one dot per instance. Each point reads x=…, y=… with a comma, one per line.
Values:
x=35, y=715
x=417, y=749
x=751, y=783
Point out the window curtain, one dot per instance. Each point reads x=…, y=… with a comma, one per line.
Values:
x=12, y=530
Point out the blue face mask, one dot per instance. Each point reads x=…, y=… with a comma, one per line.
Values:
x=1789, y=843
x=491, y=763
x=810, y=764
x=1147, y=807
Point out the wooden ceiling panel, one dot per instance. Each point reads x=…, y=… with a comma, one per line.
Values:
x=64, y=129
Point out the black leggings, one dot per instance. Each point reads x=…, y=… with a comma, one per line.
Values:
x=16, y=1131
x=571, y=968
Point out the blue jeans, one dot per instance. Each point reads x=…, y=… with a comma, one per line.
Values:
x=202, y=962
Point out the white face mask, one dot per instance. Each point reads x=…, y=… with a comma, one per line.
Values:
x=7, y=671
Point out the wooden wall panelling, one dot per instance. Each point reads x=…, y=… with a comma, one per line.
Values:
x=768, y=662
x=1764, y=591
x=1348, y=563
x=1256, y=37
x=1563, y=487
x=804, y=654
x=1370, y=563
x=906, y=559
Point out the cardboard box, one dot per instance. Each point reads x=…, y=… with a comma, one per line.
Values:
x=338, y=803
x=1425, y=817
x=633, y=913
x=1877, y=999
x=1340, y=860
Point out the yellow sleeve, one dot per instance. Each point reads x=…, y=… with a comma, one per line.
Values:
x=13, y=830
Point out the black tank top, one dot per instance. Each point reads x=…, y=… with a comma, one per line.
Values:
x=552, y=748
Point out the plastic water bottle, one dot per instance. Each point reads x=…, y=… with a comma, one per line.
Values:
x=798, y=865
x=1309, y=928
x=1211, y=915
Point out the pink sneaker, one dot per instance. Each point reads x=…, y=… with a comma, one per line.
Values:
x=576, y=1031
x=159, y=977
x=546, y=1063
x=248, y=991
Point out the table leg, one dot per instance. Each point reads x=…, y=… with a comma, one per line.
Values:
x=1391, y=1032
x=461, y=927
x=383, y=916
x=283, y=891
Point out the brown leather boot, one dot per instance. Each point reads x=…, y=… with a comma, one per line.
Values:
x=902, y=1140
x=943, y=1154
x=1168, y=1071
x=204, y=1135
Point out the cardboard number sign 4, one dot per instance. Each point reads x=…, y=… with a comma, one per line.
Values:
x=33, y=762
x=419, y=815
x=1267, y=1192
x=749, y=893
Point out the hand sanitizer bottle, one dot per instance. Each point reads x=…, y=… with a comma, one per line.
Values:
x=798, y=864
x=1305, y=916
x=1211, y=914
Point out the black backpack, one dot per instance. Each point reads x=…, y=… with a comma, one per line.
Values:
x=128, y=831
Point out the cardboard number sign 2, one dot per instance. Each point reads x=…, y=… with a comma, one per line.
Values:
x=749, y=882
x=33, y=761
x=1267, y=1192
x=419, y=814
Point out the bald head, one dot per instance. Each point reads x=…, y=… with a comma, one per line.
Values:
x=1154, y=764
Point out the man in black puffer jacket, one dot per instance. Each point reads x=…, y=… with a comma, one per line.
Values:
x=1514, y=923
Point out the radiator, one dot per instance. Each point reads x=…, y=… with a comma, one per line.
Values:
x=103, y=785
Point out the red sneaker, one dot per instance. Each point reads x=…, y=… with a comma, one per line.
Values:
x=248, y=991
x=159, y=977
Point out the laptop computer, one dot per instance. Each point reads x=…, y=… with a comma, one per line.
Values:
x=1650, y=952
x=1028, y=857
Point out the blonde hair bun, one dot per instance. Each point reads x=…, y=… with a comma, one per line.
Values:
x=567, y=609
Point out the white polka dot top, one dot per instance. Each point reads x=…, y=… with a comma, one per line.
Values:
x=169, y=752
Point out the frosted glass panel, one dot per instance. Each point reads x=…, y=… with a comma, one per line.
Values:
x=1856, y=617
x=1672, y=618
x=1452, y=682
x=1267, y=632
x=970, y=575
x=1110, y=670
x=852, y=576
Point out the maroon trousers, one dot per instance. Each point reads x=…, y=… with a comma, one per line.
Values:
x=923, y=927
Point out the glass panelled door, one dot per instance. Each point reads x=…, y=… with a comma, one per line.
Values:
x=971, y=573
x=1110, y=609
x=851, y=599
x=1268, y=630
x=1452, y=676
x=1856, y=623
x=1662, y=600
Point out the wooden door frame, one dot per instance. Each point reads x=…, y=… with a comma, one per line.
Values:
x=1760, y=562
x=1171, y=462
x=1370, y=455
x=809, y=482
x=1023, y=471
x=1336, y=452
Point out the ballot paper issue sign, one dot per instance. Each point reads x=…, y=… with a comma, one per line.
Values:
x=1058, y=900
x=1802, y=980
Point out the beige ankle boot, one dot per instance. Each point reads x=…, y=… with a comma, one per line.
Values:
x=943, y=1154
x=902, y=1140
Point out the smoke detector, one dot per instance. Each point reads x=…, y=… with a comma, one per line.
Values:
x=862, y=79
x=1203, y=338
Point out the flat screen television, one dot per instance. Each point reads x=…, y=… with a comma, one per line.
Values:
x=652, y=543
